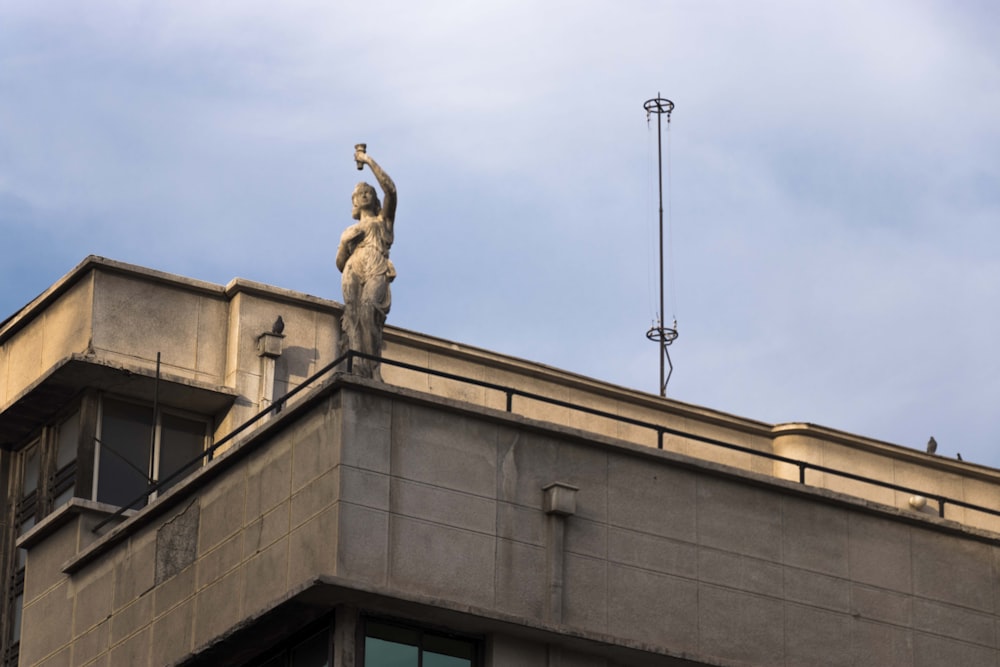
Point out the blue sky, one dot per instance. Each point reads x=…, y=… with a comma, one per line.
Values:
x=834, y=209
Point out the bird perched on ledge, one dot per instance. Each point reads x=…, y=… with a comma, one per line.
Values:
x=931, y=445
x=278, y=326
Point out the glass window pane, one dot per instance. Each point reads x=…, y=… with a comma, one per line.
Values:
x=447, y=646
x=15, y=629
x=31, y=467
x=66, y=442
x=124, y=452
x=26, y=525
x=389, y=645
x=313, y=652
x=63, y=497
x=382, y=653
x=181, y=440
x=392, y=633
x=438, y=660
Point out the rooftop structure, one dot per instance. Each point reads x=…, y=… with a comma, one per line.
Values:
x=188, y=484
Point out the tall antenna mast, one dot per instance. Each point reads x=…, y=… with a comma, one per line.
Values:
x=659, y=333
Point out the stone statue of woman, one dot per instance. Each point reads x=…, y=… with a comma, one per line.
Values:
x=363, y=259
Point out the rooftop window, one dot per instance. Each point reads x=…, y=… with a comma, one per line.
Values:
x=136, y=449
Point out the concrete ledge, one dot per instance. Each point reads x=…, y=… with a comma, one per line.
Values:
x=46, y=395
x=826, y=434
x=94, y=262
x=255, y=437
x=62, y=515
x=244, y=286
x=327, y=593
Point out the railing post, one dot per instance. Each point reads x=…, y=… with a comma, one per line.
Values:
x=802, y=473
x=510, y=401
x=350, y=361
x=940, y=507
x=659, y=438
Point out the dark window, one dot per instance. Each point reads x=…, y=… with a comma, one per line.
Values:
x=63, y=482
x=133, y=452
x=32, y=465
x=390, y=645
x=124, y=452
x=181, y=441
x=25, y=519
x=311, y=651
x=42, y=479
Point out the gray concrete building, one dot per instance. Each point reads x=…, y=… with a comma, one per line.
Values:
x=184, y=486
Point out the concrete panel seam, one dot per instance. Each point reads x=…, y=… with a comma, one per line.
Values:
x=421, y=519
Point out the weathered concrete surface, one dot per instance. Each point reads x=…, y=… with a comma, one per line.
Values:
x=437, y=501
x=119, y=316
x=420, y=488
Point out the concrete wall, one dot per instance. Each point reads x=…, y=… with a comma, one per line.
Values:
x=806, y=442
x=61, y=329
x=134, y=319
x=910, y=469
x=309, y=343
x=223, y=553
x=658, y=554
x=208, y=334
x=390, y=492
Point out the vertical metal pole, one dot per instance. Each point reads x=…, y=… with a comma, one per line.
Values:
x=659, y=155
x=659, y=333
x=151, y=473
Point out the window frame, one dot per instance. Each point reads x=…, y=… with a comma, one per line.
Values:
x=153, y=470
x=52, y=481
x=60, y=479
x=27, y=509
x=423, y=631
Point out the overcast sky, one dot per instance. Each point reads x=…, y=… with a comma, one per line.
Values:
x=833, y=201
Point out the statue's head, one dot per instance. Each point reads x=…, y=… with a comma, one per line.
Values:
x=364, y=198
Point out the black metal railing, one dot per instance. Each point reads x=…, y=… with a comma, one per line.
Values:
x=347, y=360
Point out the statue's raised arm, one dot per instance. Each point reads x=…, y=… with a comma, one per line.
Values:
x=388, y=187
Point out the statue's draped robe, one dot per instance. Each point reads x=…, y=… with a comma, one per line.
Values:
x=365, y=282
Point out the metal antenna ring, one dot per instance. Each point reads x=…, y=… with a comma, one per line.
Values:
x=658, y=105
x=664, y=335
